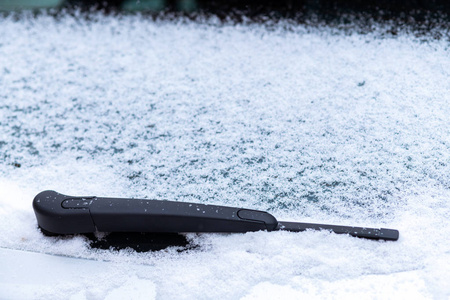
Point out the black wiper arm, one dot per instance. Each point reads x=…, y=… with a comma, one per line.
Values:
x=61, y=214
x=361, y=232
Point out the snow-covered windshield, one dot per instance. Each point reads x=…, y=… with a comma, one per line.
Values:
x=311, y=124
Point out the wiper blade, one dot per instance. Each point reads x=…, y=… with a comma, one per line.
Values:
x=361, y=232
x=61, y=214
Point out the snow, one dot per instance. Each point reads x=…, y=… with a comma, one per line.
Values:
x=309, y=123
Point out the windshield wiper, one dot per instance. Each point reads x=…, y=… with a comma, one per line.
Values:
x=60, y=214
